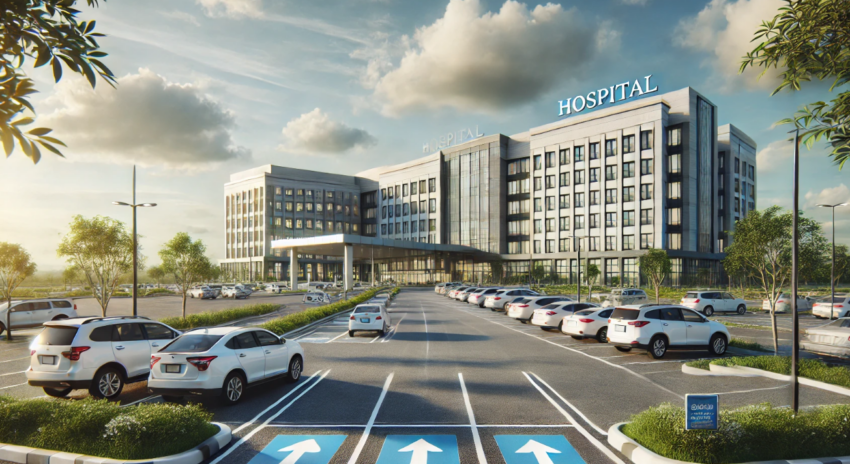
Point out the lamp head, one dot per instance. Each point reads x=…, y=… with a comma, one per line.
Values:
x=148, y=205
x=120, y=203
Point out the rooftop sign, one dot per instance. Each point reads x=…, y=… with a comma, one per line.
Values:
x=452, y=138
x=611, y=94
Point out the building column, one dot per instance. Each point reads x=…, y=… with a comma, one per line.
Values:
x=293, y=269
x=348, y=268
x=373, y=266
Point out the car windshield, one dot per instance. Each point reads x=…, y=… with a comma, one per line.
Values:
x=367, y=309
x=191, y=343
x=692, y=295
x=552, y=306
x=625, y=314
x=521, y=300
x=60, y=335
x=585, y=312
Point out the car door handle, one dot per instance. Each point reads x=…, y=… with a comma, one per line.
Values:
x=155, y=345
x=242, y=355
x=665, y=324
x=119, y=347
x=268, y=352
x=690, y=325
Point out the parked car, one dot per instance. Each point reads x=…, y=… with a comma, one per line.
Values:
x=235, y=292
x=832, y=338
x=524, y=311
x=223, y=361
x=369, y=317
x=478, y=297
x=272, y=288
x=552, y=315
x=516, y=301
x=626, y=296
x=588, y=323
x=100, y=354
x=464, y=295
x=659, y=328
x=34, y=313
x=783, y=304
x=383, y=298
x=216, y=288
x=453, y=292
x=316, y=297
x=709, y=302
x=202, y=292
x=500, y=299
x=838, y=307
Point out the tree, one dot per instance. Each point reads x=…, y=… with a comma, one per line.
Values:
x=15, y=266
x=186, y=261
x=811, y=39
x=814, y=250
x=615, y=281
x=655, y=264
x=102, y=249
x=70, y=274
x=761, y=244
x=46, y=31
x=497, y=269
x=590, y=275
x=736, y=270
x=156, y=273
x=538, y=273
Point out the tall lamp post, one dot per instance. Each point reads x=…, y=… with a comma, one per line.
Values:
x=577, y=245
x=832, y=277
x=135, y=240
x=795, y=246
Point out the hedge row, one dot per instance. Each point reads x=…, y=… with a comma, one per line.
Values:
x=103, y=428
x=809, y=368
x=291, y=322
x=212, y=318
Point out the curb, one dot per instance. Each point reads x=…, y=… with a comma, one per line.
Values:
x=697, y=371
x=742, y=371
x=196, y=455
x=640, y=455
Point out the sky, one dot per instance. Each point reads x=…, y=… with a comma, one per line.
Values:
x=207, y=88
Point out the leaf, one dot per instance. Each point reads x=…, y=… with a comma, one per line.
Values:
x=57, y=69
x=44, y=56
x=51, y=148
x=97, y=54
x=54, y=140
x=38, y=132
x=23, y=122
x=8, y=140
x=87, y=70
x=36, y=153
x=23, y=142
x=90, y=26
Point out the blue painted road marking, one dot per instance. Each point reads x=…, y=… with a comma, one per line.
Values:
x=537, y=449
x=419, y=449
x=299, y=449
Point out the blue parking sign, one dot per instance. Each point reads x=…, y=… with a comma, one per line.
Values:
x=537, y=449
x=419, y=449
x=299, y=449
x=701, y=412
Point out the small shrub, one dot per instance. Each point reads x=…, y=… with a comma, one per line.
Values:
x=158, y=291
x=699, y=364
x=291, y=322
x=809, y=368
x=211, y=318
x=747, y=345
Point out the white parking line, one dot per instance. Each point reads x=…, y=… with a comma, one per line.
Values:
x=754, y=390
x=360, y=444
x=143, y=400
x=16, y=359
x=340, y=335
x=601, y=432
x=13, y=386
x=418, y=426
x=581, y=429
x=12, y=373
x=264, y=411
x=394, y=331
x=475, y=437
x=311, y=332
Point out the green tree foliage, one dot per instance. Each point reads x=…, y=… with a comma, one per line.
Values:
x=48, y=32
x=497, y=270
x=157, y=273
x=656, y=266
x=538, y=272
x=814, y=250
x=102, y=249
x=590, y=277
x=15, y=266
x=187, y=262
x=811, y=39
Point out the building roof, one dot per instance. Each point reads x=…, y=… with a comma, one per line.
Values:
x=368, y=247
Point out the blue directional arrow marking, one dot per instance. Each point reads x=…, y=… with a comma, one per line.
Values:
x=537, y=449
x=419, y=449
x=299, y=449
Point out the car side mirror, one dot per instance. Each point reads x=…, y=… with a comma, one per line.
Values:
x=282, y=341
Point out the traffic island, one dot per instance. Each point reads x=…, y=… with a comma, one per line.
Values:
x=759, y=434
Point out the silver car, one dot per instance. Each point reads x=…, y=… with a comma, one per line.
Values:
x=832, y=338
x=524, y=310
x=783, y=304
x=499, y=300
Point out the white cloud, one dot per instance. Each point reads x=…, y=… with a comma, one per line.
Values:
x=635, y=2
x=828, y=196
x=232, y=8
x=774, y=154
x=724, y=30
x=181, y=16
x=146, y=120
x=316, y=133
x=475, y=60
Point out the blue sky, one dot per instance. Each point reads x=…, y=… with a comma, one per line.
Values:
x=212, y=87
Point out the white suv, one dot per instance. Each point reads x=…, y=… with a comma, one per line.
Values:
x=658, y=328
x=100, y=354
x=202, y=291
x=709, y=303
x=498, y=301
x=223, y=361
x=34, y=313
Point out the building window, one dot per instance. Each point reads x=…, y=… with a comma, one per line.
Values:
x=422, y=225
x=278, y=206
x=518, y=247
x=550, y=224
x=277, y=190
x=422, y=186
x=413, y=208
x=610, y=196
x=564, y=245
x=610, y=243
x=538, y=226
x=674, y=137
x=579, y=200
x=309, y=223
x=564, y=154
x=565, y=201
x=593, y=243
x=309, y=207
x=538, y=183
x=579, y=153
x=628, y=242
x=579, y=177
x=319, y=207
x=646, y=217
x=289, y=206
x=551, y=161
x=550, y=182
x=397, y=227
x=628, y=170
x=594, y=150
x=550, y=203
x=610, y=172
x=406, y=209
x=518, y=207
x=518, y=228
x=397, y=210
x=645, y=140
x=674, y=191
x=514, y=167
x=564, y=179
x=550, y=246
x=413, y=188
x=646, y=192
x=422, y=206
x=674, y=164
x=674, y=216
x=405, y=227
x=674, y=241
x=404, y=190
x=413, y=227
x=645, y=241
x=593, y=221
x=628, y=194
x=383, y=212
x=289, y=223
x=645, y=167
x=537, y=246
x=594, y=174
x=628, y=144
x=518, y=186
x=594, y=197
x=610, y=147
x=432, y=185
x=610, y=219
x=538, y=162
x=538, y=205
x=288, y=192
x=383, y=229
x=565, y=223
x=579, y=222
x=628, y=218
x=432, y=206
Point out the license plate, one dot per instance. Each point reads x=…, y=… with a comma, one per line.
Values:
x=619, y=328
x=48, y=360
x=172, y=368
x=364, y=320
x=571, y=322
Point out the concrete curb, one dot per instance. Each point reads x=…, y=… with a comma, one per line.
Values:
x=742, y=371
x=640, y=455
x=196, y=455
x=697, y=371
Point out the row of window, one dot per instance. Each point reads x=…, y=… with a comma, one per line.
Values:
x=674, y=241
x=521, y=206
x=674, y=166
x=407, y=209
x=413, y=188
x=520, y=227
x=310, y=207
x=310, y=224
x=409, y=227
x=308, y=194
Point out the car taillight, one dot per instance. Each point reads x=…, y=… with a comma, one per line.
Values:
x=550, y=313
x=32, y=352
x=201, y=363
x=639, y=323
x=781, y=301
x=837, y=306
x=74, y=354
x=497, y=298
x=352, y=318
x=586, y=321
x=696, y=301
x=75, y=306
x=609, y=321
x=521, y=306
x=154, y=360
x=378, y=318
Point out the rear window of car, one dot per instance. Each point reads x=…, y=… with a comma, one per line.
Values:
x=551, y=306
x=692, y=295
x=585, y=312
x=520, y=300
x=625, y=314
x=57, y=336
x=62, y=304
x=367, y=309
x=191, y=343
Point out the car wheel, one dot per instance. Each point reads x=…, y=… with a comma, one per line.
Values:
x=57, y=392
x=296, y=366
x=717, y=345
x=234, y=387
x=624, y=349
x=657, y=347
x=350, y=333
x=742, y=310
x=191, y=296
x=560, y=326
x=386, y=329
x=602, y=335
x=576, y=337
x=2, y=329
x=708, y=311
x=107, y=383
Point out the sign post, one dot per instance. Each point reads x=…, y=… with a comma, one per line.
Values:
x=701, y=412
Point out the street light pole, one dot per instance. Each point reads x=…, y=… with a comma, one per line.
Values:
x=795, y=323
x=134, y=205
x=832, y=275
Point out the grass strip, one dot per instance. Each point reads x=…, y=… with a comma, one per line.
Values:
x=212, y=318
x=752, y=433
x=809, y=368
x=699, y=364
x=291, y=322
x=747, y=345
x=102, y=428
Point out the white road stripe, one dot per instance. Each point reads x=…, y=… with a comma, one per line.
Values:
x=311, y=332
x=258, y=416
x=16, y=359
x=395, y=330
x=754, y=390
x=475, y=437
x=13, y=386
x=581, y=429
x=601, y=432
x=12, y=373
x=427, y=342
x=252, y=432
x=415, y=426
x=340, y=335
x=360, y=444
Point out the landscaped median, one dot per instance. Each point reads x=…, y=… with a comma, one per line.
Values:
x=811, y=372
x=291, y=322
x=103, y=429
x=213, y=318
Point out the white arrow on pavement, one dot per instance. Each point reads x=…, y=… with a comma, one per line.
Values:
x=541, y=451
x=420, y=449
x=298, y=449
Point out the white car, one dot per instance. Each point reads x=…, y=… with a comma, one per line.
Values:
x=783, y=304
x=369, y=317
x=34, y=313
x=626, y=296
x=453, y=293
x=710, y=302
x=523, y=311
x=223, y=361
x=552, y=315
x=272, y=288
x=235, y=292
x=100, y=354
x=839, y=307
x=202, y=292
x=465, y=294
x=499, y=300
x=588, y=323
x=478, y=297
x=316, y=297
x=832, y=338
x=383, y=299
x=658, y=328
